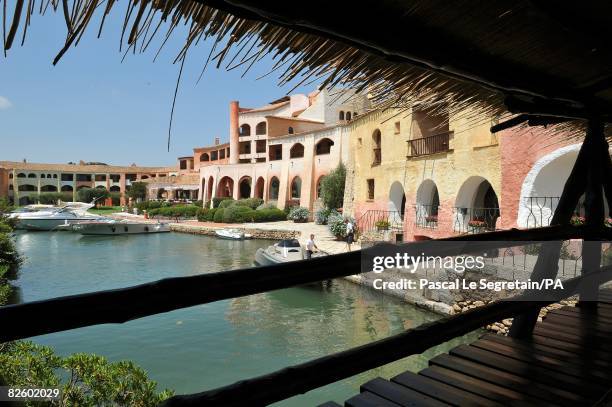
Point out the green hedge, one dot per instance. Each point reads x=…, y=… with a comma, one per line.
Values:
x=217, y=201
x=252, y=203
x=179, y=211
x=269, y=215
x=238, y=214
x=226, y=203
x=218, y=216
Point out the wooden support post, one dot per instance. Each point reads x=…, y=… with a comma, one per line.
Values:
x=547, y=264
x=594, y=208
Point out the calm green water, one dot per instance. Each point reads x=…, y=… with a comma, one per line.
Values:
x=206, y=346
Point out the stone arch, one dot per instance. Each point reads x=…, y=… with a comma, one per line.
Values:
x=225, y=187
x=31, y=175
x=427, y=204
x=318, y=189
x=376, y=147
x=397, y=201
x=204, y=157
x=323, y=146
x=297, y=151
x=67, y=188
x=209, y=188
x=48, y=188
x=115, y=188
x=27, y=188
x=348, y=116
x=244, y=187
x=295, y=190
x=261, y=129
x=273, y=189
x=341, y=115
x=476, y=201
x=21, y=175
x=245, y=130
x=260, y=188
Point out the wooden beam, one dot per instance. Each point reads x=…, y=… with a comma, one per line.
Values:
x=299, y=379
x=125, y=304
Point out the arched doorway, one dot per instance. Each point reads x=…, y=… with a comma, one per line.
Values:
x=225, y=187
x=427, y=204
x=397, y=200
x=274, y=188
x=295, y=192
x=244, y=188
x=260, y=188
x=476, y=206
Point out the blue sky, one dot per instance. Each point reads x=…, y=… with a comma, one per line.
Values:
x=93, y=107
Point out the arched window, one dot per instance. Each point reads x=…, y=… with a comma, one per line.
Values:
x=341, y=115
x=376, y=148
x=323, y=146
x=11, y=175
x=290, y=130
x=42, y=176
x=31, y=175
x=245, y=130
x=115, y=188
x=296, y=188
x=274, y=187
x=21, y=175
x=67, y=188
x=27, y=188
x=260, y=129
x=214, y=156
x=348, y=115
x=48, y=188
x=319, y=183
x=297, y=151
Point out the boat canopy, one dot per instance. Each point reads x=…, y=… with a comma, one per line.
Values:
x=289, y=243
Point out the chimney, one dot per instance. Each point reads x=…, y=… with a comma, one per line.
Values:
x=234, y=131
x=217, y=141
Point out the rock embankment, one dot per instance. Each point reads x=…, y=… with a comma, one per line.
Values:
x=272, y=234
x=503, y=327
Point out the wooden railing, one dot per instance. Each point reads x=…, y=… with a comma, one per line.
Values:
x=438, y=143
x=122, y=305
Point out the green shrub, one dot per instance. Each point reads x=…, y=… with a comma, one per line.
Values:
x=116, y=198
x=269, y=215
x=332, y=187
x=218, y=217
x=267, y=205
x=336, y=225
x=198, y=203
x=252, y=203
x=298, y=214
x=210, y=217
x=5, y=206
x=8, y=254
x=84, y=379
x=179, y=211
x=238, y=214
x=202, y=214
x=89, y=194
x=226, y=203
x=217, y=200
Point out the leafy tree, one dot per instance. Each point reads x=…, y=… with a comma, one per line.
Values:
x=332, y=187
x=85, y=379
x=89, y=194
x=138, y=190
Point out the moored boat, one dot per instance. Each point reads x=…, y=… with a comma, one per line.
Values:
x=54, y=218
x=232, y=234
x=284, y=251
x=111, y=227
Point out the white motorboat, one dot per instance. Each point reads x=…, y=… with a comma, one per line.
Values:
x=284, y=251
x=54, y=217
x=232, y=234
x=118, y=227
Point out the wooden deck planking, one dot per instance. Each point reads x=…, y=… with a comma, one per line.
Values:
x=567, y=362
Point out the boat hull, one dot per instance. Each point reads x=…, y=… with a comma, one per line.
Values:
x=111, y=229
x=46, y=224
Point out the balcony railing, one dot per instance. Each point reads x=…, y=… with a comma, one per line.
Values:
x=475, y=220
x=540, y=210
x=377, y=156
x=426, y=216
x=380, y=220
x=437, y=143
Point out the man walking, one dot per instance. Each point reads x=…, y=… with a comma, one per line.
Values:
x=310, y=246
x=350, y=233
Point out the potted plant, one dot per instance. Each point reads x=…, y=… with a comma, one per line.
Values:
x=577, y=220
x=477, y=225
x=298, y=214
x=382, y=224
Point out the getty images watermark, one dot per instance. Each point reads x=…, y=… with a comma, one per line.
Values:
x=499, y=268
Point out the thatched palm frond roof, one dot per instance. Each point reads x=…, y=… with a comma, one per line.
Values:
x=544, y=58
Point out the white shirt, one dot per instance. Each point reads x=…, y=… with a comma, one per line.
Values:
x=349, y=228
x=310, y=244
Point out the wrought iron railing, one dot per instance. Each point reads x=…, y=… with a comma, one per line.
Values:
x=438, y=143
x=540, y=210
x=426, y=216
x=475, y=220
x=378, y=220
x=377, y=156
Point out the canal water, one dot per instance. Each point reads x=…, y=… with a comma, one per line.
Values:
x=211, y=345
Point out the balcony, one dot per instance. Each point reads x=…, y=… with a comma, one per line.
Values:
x=438, y=143
x=426, y=216
x=377, y=157
x=475, y=220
